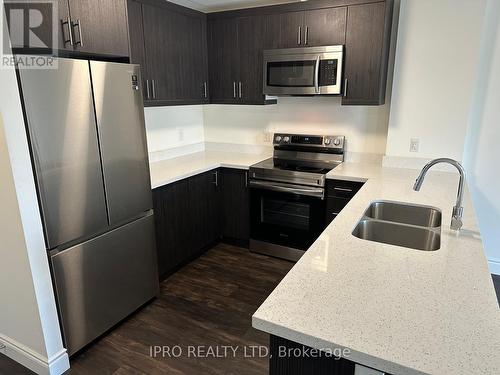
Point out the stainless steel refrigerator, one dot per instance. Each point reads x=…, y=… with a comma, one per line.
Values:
x=85, y=124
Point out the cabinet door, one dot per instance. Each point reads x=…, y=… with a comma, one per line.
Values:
x=235, y=204
x=189, y=57
x=101, y=26
x=223, y=59
x=163, y=80
x=291, y=29
x=172, y=225
x=325, y=27
x=365, y=58
x=136, y=35
x=251, y=36
x=203, y=211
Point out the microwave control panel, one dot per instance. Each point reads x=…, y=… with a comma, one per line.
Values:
x=328, y=72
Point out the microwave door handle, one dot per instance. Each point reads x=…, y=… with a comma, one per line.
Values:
x=316, y=75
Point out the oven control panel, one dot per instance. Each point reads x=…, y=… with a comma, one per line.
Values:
x=329, y=141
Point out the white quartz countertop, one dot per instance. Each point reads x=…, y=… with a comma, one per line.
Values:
x=175, y=169
x=398, y=310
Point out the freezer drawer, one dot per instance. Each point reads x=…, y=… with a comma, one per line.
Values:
x=63, y=139
x=101, y=281
x=122, y=135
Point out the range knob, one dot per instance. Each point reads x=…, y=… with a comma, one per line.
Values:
x=286, y=139
x=278, y=138
x=336, y=142
x=328, y=141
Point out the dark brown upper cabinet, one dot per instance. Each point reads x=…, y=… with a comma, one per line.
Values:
x=88, y=28
x=312, y=28
x=235, y=59
x=99, y=27
x=367, y=45
x=170, y=44
x=223, y=60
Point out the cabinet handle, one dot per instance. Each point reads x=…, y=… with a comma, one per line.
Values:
x=70, y=31
x=246, y=179
x=343, y=189
x=234, y=89
x=79, y=24
x=298, y=35
x=153, y=88
x=345, y=87
x=147, y=89
x=205, y=93
x=216, y=182
x=239, y=89
x=306, y=35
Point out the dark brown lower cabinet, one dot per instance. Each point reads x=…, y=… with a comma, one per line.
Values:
x=234, y=205
x=193, y=214
x=171, y=209
x=290, y=358
x=186, y=220
x=338, y=194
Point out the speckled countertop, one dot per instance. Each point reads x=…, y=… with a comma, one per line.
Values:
x=398, y=310
x=175, y=169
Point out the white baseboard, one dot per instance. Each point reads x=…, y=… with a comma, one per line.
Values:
x=55, y=365
x=494, y=266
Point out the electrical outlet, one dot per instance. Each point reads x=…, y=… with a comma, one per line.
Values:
x=267, y=137
x=414, y=143
x=181, y=134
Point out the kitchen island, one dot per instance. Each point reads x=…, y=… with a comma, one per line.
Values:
x=397, y=310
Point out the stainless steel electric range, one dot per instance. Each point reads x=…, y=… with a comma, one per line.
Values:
x=287, y=193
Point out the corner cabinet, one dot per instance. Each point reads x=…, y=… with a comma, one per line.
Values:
x=193, y=214
x=169, y=42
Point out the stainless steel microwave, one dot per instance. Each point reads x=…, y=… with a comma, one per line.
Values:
x=303, y=71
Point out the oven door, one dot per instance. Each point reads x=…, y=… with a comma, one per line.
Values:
x=287, y=215
x=302, y=74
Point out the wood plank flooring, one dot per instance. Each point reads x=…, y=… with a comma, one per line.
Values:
x=208, y=302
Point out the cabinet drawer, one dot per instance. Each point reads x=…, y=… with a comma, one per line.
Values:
x=333, y=207
x=342, y=189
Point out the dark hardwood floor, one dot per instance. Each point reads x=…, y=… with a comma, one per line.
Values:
x=208, y=302
x=10, y=367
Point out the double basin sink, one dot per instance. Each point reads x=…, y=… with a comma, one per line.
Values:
x=401, y=224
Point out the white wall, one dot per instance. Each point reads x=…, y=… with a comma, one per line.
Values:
x=365, y=128
x=482, y=151
x=173, y=127
x=435, y=69
x=29, y=325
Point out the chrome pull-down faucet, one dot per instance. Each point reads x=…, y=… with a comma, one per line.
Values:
x=456, y=218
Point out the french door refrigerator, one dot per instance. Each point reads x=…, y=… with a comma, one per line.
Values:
x=85, y=124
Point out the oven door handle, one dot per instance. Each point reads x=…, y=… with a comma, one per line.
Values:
x=293, y=189
x=316, y=75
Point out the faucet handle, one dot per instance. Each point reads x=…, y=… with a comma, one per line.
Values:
x=456, y=218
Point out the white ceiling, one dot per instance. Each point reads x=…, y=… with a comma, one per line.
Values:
x=218, y=5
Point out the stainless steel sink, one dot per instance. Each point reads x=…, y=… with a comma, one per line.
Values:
x=401, y=224
x=423, y=216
